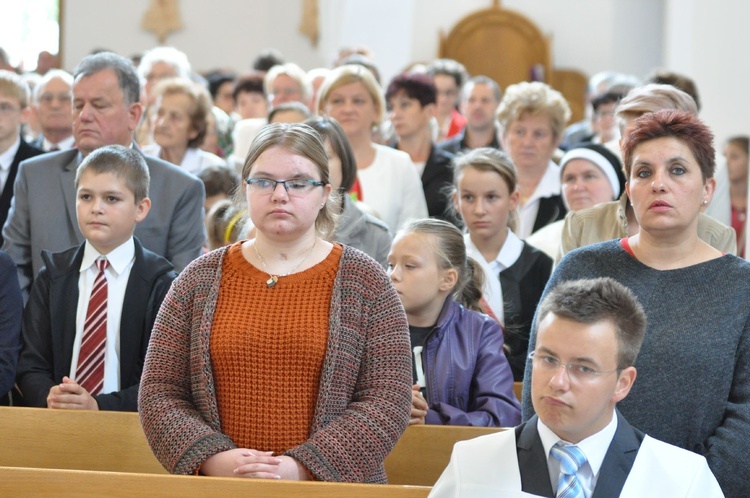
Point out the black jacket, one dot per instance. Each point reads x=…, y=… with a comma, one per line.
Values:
x=25, y=151
x=457, y=143
x=49, y=325
x=437, y=179
x=551, y=209
x=522, y=284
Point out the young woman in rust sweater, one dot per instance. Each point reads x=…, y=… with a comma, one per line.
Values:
x=286, y=356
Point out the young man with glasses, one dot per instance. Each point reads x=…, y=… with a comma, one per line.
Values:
x=588, y=335
x=14, y=112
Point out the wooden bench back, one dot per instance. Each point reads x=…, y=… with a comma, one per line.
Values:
x=115, y=442
x=423, y=452
x=75, y=483
x=72, y=439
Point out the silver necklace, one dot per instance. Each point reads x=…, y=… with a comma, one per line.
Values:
x=275, y=278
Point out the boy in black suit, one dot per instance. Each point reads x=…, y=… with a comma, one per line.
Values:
x=90, y=355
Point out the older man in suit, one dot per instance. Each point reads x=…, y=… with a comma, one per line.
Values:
x=52, y=106
x=106, y=111
x=578, y=445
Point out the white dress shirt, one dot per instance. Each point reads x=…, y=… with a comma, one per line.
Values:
x=593, y=447
x=492, y=291
x=548, y=186
x=117, y=273
x=6, y=159
x=64, y=144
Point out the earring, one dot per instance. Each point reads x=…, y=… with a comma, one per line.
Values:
x=705, y=202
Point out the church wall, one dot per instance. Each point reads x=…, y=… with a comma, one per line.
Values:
x=703, y=38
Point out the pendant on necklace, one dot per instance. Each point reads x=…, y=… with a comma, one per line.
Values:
x=272, y=281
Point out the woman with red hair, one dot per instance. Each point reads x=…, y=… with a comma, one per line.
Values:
x=693, y=387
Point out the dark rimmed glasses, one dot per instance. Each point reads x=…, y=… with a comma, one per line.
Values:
x=298, y=187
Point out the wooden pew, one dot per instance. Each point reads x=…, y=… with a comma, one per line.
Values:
x=72, y=439
x=16, y=481
x=423, y=452
x=115, y=442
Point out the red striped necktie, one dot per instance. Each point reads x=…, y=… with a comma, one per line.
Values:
x=90, y=371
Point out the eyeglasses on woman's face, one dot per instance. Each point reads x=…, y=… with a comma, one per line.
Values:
x=298, y=187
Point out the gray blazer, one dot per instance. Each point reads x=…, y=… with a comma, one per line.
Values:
x=43, y=213
x=364, y=232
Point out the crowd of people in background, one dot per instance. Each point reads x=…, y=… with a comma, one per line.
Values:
x=423, y=229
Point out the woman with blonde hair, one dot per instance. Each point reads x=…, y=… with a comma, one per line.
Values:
x=238, y=382
x=388, y=181
x=532, y=117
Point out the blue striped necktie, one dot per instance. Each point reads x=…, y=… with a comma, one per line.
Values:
x=571, y=458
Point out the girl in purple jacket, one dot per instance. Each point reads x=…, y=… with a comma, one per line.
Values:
x=461, y=375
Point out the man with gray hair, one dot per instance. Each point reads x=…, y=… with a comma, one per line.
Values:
x=106, y=111
x=287, y=83
x=160, y=63
x=52, y=106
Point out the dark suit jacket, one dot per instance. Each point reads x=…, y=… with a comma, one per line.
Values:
x=614, y=471
x=457, y=143
x=43, y=213
x=11, y=310
x=437, y=179
x=523, y=284
x=49, y=325
x=25, y=151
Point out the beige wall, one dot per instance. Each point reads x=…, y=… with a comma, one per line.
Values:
x=230, y=32
x=633, y=36
x=704, y=39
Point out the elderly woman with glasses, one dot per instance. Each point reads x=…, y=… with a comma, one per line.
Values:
x=286, y=356
x=693, y=387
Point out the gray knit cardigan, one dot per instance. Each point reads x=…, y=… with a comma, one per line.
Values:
x=364, y=399
x=693, y=385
